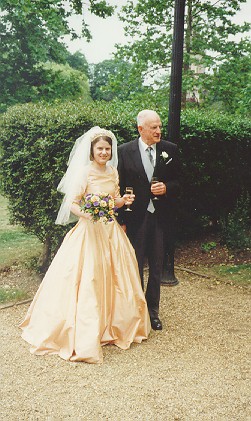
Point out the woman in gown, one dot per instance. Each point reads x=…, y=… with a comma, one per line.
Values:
x=91, y=294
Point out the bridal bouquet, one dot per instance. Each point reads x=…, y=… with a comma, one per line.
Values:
x=101, y=206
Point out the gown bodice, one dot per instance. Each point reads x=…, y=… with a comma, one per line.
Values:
x=107, y=182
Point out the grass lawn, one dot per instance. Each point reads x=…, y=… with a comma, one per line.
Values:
x=240, y=274
x=16, y=246
x=12, y=294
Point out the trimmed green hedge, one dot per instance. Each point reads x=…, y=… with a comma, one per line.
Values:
x=216, y=164
x=36, y=141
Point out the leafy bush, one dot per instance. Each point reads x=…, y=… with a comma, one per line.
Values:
x=215, y=156
x=36, y=141
x=206, y=247
x=235, y=226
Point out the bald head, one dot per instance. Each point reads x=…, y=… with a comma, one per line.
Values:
x=149, y=126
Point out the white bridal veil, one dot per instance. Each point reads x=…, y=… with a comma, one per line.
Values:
x=74, y=180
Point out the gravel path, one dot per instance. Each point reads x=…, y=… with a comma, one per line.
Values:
x=197, y=368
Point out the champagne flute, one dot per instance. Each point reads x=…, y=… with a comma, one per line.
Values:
x=128, y=190
x=154, y=180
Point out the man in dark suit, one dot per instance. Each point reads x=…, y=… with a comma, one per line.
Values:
x=151, y=221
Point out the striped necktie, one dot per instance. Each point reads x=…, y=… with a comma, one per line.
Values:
x=149, y=152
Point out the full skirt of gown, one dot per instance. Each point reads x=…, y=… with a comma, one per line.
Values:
x=90, y=296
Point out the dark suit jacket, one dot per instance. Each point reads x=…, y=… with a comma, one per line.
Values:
x=132, y=173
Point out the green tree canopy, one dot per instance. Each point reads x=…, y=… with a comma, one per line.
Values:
x=78, y=61
x=62, y=82
x=231, y=85
x=209, y=38
x=113, y=79
x=31, y=33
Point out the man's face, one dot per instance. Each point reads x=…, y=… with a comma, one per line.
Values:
x=150, y=131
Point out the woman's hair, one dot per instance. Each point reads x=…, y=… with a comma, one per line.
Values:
x=96, y=140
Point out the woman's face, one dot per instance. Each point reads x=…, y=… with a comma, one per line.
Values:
x=102, y=152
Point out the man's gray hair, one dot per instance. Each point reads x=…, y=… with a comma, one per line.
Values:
x=144, y=115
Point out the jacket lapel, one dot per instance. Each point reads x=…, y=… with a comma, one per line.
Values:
x=136, y=158
x=158, y=153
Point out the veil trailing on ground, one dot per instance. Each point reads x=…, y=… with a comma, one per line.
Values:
x=74, y=180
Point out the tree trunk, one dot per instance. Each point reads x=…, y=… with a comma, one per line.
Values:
x=187, y=48
x=176, y=72
x=44, y=259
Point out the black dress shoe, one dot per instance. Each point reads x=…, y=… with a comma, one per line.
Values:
x=170, y=282
x=156, y=323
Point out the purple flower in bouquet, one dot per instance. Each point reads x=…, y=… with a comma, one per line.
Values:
x=101, y=206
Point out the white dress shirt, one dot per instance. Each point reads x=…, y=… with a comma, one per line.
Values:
x=147, y=165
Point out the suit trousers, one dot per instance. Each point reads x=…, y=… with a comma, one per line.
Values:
x=148, y=242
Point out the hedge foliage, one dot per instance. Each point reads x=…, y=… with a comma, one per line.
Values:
x=216, y=164
x=36, y=141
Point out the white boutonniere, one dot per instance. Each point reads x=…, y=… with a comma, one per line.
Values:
x=164, y=155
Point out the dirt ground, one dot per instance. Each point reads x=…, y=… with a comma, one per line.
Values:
x=197, y=368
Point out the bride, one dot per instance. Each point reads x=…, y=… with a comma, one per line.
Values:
x=91, y=294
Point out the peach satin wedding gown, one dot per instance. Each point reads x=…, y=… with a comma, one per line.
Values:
x=91, y=294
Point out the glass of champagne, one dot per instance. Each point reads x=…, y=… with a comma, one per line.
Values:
x=154, y=180
x=128, y=190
